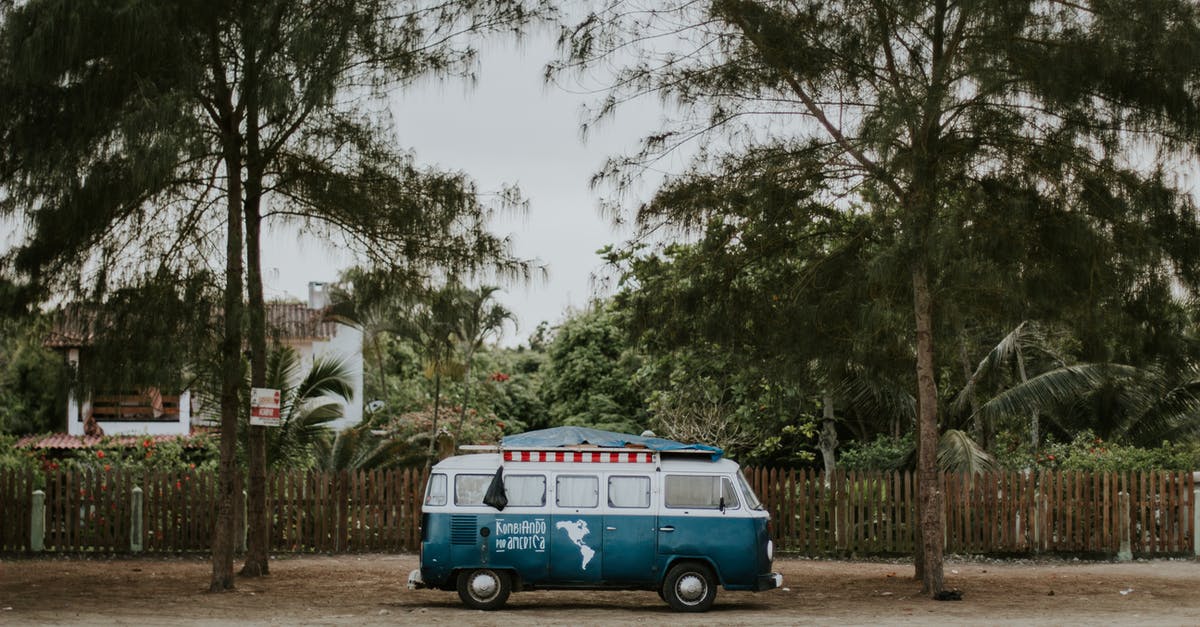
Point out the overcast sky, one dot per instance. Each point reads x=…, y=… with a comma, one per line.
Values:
x=509, y=128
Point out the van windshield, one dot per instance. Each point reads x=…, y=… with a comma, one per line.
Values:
x=751, y=499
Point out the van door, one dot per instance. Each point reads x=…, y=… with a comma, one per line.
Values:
x=629, y=530
x=702, y=516
x=576, y=554
x=520, y=537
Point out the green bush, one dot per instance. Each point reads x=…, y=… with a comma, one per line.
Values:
x=1087, y=452
x=883, y=453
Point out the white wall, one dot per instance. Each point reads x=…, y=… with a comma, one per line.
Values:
x=346, y=345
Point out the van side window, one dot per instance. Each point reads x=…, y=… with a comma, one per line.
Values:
x=629, y=492
x=436, y=494
x=577, y=491
x=700, y=492
x=469, y=489
x=525, y=490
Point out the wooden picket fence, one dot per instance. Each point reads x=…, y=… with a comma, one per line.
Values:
x=854, y=513
x=873, y=513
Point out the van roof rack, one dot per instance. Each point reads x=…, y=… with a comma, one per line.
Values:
x=479, y=448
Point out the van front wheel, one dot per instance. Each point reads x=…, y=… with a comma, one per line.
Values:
x=484, y=588
x=689, y=587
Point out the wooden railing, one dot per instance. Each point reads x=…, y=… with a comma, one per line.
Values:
x=136, y=407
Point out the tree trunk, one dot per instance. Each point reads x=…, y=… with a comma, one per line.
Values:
x=257, y=525
x=968, y=373
x=231, y=362
x=1034, y=437
x=927, y=427
x=437, y=398
x=828, y=439
x=462, y=415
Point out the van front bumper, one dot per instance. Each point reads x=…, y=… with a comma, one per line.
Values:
x=768, y=582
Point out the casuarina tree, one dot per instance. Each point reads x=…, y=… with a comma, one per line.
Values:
x=134, y=134
x=911, y=107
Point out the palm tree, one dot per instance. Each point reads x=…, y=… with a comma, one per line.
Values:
x=1138, y=406
x=307, y=405
x=432, y=325
x=480, y=319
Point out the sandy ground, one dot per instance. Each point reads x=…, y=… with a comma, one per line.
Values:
x=370, y=590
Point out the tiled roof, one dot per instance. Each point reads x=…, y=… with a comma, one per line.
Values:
x=72, y=327
x=65, y=441
x=298, y=322
x=75, y=326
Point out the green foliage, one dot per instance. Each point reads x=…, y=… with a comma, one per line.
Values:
x=882, y=453
x=589, y=378
x=13, y=459
x=33, y=379
x=1088, y=453
x=307, y=405
x=146, y=455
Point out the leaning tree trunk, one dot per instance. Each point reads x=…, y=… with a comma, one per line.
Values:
x=930, y=495
x=231, y=361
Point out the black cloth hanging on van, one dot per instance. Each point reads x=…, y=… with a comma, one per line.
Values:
x=495, y=492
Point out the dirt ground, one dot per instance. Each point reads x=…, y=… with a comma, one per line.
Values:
x=371, y=590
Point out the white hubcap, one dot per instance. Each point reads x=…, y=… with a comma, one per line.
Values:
x=484, y=585
x=691, y=588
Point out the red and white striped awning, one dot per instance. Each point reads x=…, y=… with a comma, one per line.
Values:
x=604, y=457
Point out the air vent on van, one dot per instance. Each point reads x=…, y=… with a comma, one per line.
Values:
x=463, y=529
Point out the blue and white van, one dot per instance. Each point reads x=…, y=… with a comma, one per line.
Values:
x=588, y=509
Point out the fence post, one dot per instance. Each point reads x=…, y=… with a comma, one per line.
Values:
x=1124, y=554
x=241, y=536
x=135, y=520
x=1196, y=521
x=1036, y=520
x=37, y=527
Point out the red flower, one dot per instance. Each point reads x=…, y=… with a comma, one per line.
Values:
x=147, y=443
x=107, y=467
x=149, y=454
x=100, y=454
x=191, y=466
x=1050, y=457
x=178, y=485
x=498, y=377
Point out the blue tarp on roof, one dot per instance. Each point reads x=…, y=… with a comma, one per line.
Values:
x=573, y=436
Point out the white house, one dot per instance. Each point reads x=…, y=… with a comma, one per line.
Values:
x=309, y=330
x=304, y=327
x=146, y=411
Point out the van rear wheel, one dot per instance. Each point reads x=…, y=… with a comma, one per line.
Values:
x=689, y=587
x=484, y=588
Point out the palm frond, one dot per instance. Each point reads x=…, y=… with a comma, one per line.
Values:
x=1056, y=388
x=957, y=452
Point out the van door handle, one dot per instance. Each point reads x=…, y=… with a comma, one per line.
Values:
x=668, y=528
x=610, y=528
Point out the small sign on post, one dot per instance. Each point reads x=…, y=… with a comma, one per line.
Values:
x=264, y=408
